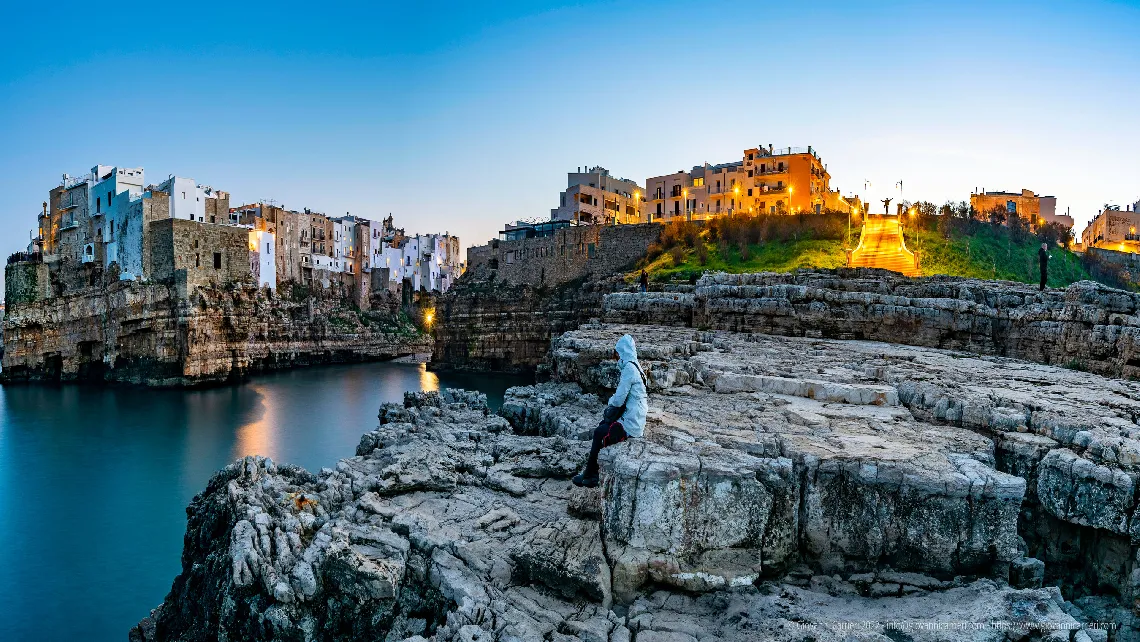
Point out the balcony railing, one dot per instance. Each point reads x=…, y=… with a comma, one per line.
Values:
x=25, y=257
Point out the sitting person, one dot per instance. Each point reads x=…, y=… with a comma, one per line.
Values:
x=625, y=413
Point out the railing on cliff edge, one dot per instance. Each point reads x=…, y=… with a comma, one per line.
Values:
x=25, y=257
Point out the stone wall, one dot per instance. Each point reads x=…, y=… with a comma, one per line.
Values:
x=187, y=252
x=148, y=333
x=25, y=282
x=572, y=253
x=502, y=327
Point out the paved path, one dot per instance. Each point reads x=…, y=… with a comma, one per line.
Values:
x=882, y=247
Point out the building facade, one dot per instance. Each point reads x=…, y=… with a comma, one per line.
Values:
x=1114, y=229
x=765, y=180
x=1035, y=208
x=183, y=232
x=594, y=197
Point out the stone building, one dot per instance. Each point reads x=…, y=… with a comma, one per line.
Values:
x=1114, y=229
x=765, y=180
x=1035, y=208
x=596, y=197
x=191, y=254
x=290, y=230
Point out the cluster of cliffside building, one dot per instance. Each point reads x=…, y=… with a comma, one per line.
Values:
x=765, y=180
x=110, y=222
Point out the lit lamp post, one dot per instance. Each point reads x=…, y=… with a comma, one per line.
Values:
x=637, y=200
x=735, y=199
x=685, y=195
x=791, y=190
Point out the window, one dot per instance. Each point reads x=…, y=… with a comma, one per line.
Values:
x=659, y=208
x=676, y=207
x=699, y=182
x=183, y=195
x=750, y=191
x=749, y=173
x=268, y=249
x=217, y=260
x=197, y=259
x=112, y=229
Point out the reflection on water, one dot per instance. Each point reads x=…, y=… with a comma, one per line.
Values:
x=256, y=438
x=94, y=481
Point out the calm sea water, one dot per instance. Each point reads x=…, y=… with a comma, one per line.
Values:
x=94, y=481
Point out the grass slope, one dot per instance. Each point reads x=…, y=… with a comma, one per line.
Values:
x=992, y=255
x=972, y=250
x=773, y=256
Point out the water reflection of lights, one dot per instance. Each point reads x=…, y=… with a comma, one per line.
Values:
x=257, y=437
x=428, y=379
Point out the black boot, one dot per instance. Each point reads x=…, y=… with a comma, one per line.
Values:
x=583, y=480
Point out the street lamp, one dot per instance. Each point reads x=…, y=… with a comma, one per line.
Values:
x=791, y=190
x=735, y=199
x=637, y=200
x=685, y=195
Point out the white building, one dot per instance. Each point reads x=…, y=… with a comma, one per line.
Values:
x=262, y=258
x=121, y=227
x=426, y=262
x=188, y=199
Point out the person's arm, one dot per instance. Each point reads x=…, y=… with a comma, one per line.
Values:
x=624, y=384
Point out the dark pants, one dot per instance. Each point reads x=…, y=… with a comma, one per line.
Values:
x=1044, y=277
x=604, y=435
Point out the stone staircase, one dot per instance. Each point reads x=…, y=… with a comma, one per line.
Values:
x=882, y=246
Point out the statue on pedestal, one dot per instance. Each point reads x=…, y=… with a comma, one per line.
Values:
x=887, y=206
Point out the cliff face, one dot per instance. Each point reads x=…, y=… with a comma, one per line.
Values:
x=1086, y=326
x=786, y=486
x=489, y=325
x=450, y=525
x=146, y=334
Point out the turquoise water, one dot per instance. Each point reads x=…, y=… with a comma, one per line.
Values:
x=94, y=481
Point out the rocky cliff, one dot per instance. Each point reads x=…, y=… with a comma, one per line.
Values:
x=491, y=325
x=787, y=488
x=1086, y=326
x=145, y=333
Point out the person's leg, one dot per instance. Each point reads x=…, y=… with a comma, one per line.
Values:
x=604, y=435
x=599, y=442
x=1044, y=277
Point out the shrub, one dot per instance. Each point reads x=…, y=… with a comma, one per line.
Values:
x=677, y=253
x=702, y=253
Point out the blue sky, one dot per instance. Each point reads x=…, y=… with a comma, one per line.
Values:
x=463, y=118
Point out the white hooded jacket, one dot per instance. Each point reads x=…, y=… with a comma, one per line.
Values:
x=631, y=389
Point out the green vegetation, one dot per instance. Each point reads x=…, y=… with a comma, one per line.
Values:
x=992, y=254
x=767, y=243
x=951, y=239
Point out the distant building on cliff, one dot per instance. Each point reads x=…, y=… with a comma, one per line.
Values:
x=1114, y=229
x=1033, y=207
x=765, y=181
x=596, y=197
x=111, y=224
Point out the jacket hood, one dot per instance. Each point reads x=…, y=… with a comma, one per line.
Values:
x=626, y=349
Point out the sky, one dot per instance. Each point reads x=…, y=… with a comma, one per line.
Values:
x=462, y=118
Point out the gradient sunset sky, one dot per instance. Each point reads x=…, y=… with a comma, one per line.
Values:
x=463, y=118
